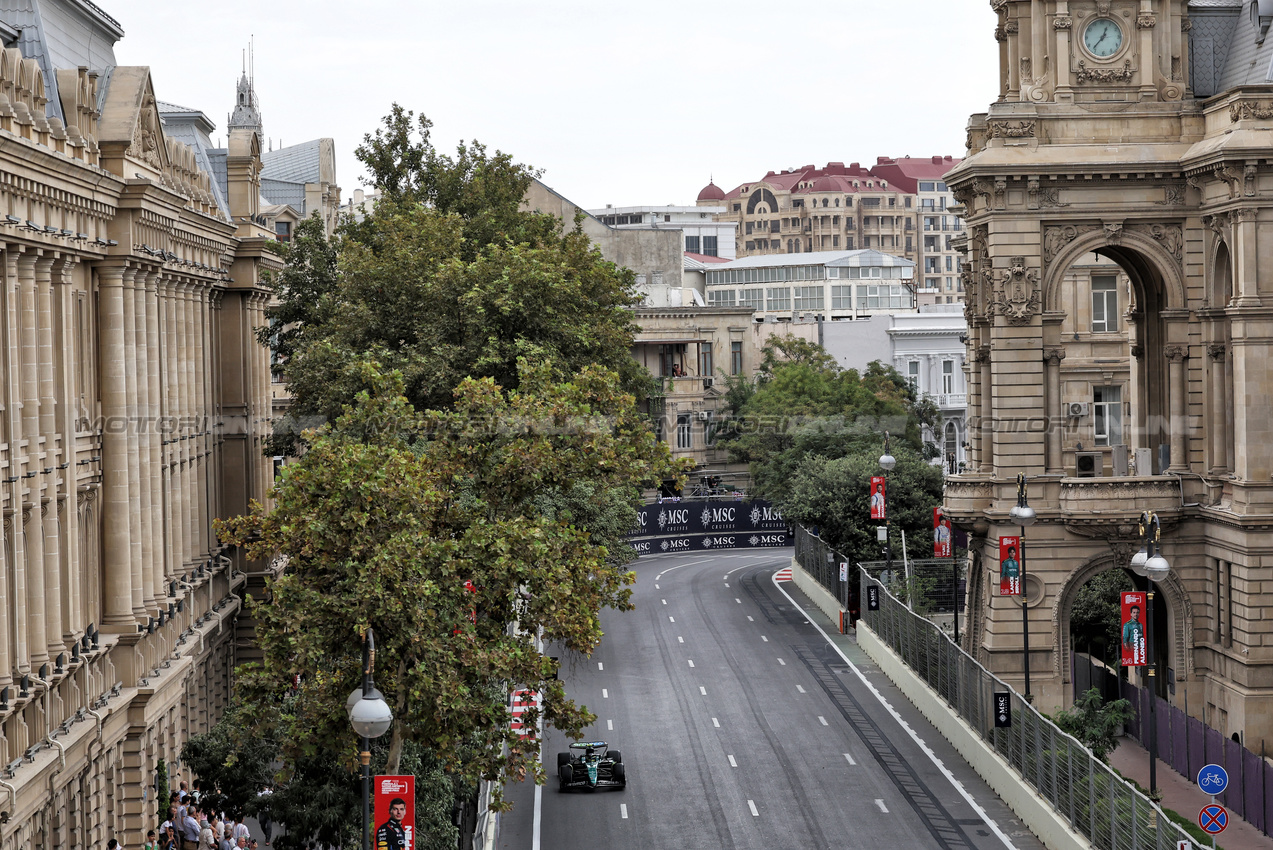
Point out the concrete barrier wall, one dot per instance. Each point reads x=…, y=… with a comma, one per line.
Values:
x=1044, y=821
x=823, y=598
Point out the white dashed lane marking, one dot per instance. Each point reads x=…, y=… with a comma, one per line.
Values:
x=680, y=639
x=883, y=808
x=623, y=810
x=715, y=722
x=732, y=763
x=850, y=758
x=664, y=601
x=739, y=601
x=783, y=663
x=822, y=720
x=600, y=666
x=605, y=694
x=754, y=812
x=765, y=639
x=691, y=662
x=671, y=619
x=702, y=691
x=750, y=619
x=610, y=725
x=800, y=689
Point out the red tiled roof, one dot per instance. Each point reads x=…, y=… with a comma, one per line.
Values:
x=901, y=175
x=905, y=173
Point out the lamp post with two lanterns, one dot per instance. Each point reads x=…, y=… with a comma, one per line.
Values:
x=1024, y=516
x=887, y=463
x=371, y=717
x=1150, y=564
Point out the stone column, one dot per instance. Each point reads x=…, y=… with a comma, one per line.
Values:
x=117, y=596
x=1246, y=259
x=1055, y=412
x=32, y=522
x=137, y=553
x=153, y=436
x=1218, y=425
x=49, y=472
x=172, y=398
x=75, y=593
x=1063, y=24
x=1145, y=22
x=189, y=414
x=15, y=545
x=141, y=430
x=985, y=443
x=1176, y=355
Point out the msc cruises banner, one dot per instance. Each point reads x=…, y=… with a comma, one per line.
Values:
x=684, y=526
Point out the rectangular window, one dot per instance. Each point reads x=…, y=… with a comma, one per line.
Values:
x=684, y=433
x=927, y=187
x=705, y=362
x=722, y=297
x=870, y=202
x=912, y=374
x=692, y=244
x=848, y=242
x=750, y=227
x=1104, y=303
x=842, y=298
x=810, y=298
x=753, y=299
x=709, y=246
x=1107, y=415
x=778, y=298
x=948, y=374
x=736, y=357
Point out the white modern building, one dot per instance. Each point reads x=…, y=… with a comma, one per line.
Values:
x=703, y=235
x=823, y=285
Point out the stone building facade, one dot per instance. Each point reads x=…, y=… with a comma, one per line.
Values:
x=1137, y=130
x=134, y=401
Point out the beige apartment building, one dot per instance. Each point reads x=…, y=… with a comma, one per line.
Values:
x=1138, y=131
x=134, y=402
x=898, y=206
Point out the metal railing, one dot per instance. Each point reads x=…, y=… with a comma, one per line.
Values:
x=1096, y=802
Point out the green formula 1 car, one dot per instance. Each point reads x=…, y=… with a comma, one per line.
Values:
x=591, y=765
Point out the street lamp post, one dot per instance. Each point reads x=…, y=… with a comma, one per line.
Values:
x=371, y=717
x=887, y=462
x=1150, y=564
x=1023, y=515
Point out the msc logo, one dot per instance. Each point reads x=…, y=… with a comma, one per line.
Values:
x=771, y=539
x=641, y=548
x=761, y=515
x=674, y=545
x=678, y=517
x=718, y=541
x=718, y=516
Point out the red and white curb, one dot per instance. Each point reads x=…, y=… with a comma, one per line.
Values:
x=523, y=699
x=783, y=574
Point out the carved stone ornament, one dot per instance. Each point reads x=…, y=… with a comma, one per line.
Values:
x=1233, y=178
x=1012, y=129
x=1063, y=22
x=1001, y=35
x=1186, y=24
x=1170, y=236
x=998, y=5
x=1263, y=110
x=1012, y=27
x=1018, y=300
x=985, y=189
x=1105, y=75
x=1175, y=353
x=1056, y=238
x=1174, y=196
x=146, y=138
x=1217, y=350
x=1114, y=232
x=1248, y=180
x=1146, y=21
x=1051, y=198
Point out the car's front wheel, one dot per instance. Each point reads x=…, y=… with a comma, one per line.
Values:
x=621, y=775
x=616, y=755
x=563, y=759
x=566, y=773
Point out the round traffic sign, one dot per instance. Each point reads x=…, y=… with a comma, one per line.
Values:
x=1213, y=779
x=1213, y=819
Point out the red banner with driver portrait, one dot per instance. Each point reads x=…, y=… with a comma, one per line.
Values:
x=877, y=497
x=941, y=534
x=1133, y=641
x=394, y=822
x=1009, y=566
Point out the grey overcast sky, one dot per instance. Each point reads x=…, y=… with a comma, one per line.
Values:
x=622, y=104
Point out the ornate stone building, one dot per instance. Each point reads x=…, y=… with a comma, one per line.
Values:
x=1139, y=130
x=134, y=401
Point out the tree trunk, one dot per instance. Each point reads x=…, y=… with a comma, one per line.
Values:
x=394, y=762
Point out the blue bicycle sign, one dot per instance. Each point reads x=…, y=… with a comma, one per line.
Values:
x=1213, y=779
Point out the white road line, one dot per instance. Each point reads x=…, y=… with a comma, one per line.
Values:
x=800, y=689
x=765, y=639
x=691, y=662
x=726, y=576
x=752, y=806
x=702, y=690
x=623, y=810
x=600, y=666
x=732, y=763
x=664, y=601
x=609, y=725
x=727, y=584
x=750, y=619
x=680, y=566
x=715, y=722
x=739, y=601
x=671, y=619
x=883, y=808
x=823, y=720
x=783, y=663
x=850, y=758
x=656, y=587
x=680, y=639
x=605, y=694
x=963, y=792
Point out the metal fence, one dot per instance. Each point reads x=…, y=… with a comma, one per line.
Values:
x=1098, y=804
x=1186, y=745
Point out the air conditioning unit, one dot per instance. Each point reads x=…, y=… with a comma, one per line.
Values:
x=1076, y=409
x=1089, y=464
x=703, y=416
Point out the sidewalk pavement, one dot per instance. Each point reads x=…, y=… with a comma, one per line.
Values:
x=1181, y=795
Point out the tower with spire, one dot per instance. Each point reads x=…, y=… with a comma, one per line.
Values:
x=243, y=157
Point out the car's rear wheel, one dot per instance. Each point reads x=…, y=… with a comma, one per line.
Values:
x=621, y=775
x=563, y=759
x=566, y=772
x=616, y=755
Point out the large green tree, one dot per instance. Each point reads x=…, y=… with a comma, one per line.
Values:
x=387, y=516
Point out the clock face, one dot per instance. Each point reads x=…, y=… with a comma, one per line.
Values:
x=1103, y=38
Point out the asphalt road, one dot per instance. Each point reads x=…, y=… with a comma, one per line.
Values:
x=743, y=726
